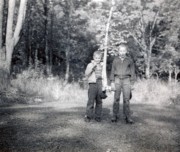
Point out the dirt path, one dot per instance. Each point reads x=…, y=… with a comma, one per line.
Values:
x=59, y=127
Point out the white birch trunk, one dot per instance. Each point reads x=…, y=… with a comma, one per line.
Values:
x=11, y=40
x=104, y=72
x=9, y=33
x=20, y=19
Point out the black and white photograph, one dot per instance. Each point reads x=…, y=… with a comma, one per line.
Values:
x=89, y=75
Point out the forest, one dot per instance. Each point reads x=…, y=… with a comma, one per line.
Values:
x=59, y=37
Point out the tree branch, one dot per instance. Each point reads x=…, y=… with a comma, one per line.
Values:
x=142, y=21
x=152, y=42
x=138, y=42
x=154, y=22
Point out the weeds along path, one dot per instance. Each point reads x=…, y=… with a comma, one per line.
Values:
x=59, y=127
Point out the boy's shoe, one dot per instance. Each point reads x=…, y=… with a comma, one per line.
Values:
x=114, y=119
x=98, y=119
x=129, y=121
x=87, y=119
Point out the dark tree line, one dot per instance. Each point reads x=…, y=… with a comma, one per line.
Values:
x=60, y=36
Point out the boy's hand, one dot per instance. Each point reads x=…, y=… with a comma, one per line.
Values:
x=93, y=69
x=132, y=86
x=113, y=88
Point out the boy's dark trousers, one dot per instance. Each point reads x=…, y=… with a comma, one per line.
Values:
x=94, y=92
x=123, y=85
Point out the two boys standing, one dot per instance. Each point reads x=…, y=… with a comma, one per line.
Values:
x=122, y=78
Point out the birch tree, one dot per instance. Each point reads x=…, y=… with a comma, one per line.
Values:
x=12, y=36
x=104, y=72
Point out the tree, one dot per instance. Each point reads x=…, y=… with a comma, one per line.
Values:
x=168, y=60
x=51, y=36
x=104, y=72
x=169, y=54
x=139, y=19
x=1, y=24
x=12, y=38
x=71, y=9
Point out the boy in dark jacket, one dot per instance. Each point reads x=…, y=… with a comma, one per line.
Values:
x=122, y=78
x=93, y=74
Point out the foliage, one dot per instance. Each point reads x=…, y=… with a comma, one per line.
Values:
x=150, y=28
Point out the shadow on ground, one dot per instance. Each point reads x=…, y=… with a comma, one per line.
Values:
x=27, y=128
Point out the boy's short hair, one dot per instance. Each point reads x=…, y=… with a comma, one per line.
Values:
x=97, y=53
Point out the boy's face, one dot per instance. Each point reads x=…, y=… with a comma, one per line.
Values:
x=122, y=51
x=97, y=58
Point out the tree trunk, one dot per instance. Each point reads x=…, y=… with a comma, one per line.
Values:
x=46, y=11
x=51, y=38
x=9, y=34
x=176, y=71
x=67, y=65
x=147, y=71
x=71, y=7
x=148, y=60
x=36, y=58
x=104, y=72
x=1, y=26
x=170, y=76
x=28, y=35
x=147, y=65
x=12, y=39
x=149, y=54
x=20, y=20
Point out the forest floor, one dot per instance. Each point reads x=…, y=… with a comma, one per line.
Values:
x=60, y=127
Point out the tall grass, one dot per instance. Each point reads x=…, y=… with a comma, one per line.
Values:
x=34, y=84
x=154, y=91
x=51, y=88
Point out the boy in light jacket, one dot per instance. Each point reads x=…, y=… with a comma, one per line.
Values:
x=93, y=74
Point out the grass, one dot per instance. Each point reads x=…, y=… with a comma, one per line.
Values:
x=31, y=83
x=156, y=92
x=51, y=88
x=59, y=125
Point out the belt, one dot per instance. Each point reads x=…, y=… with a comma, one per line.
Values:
x=123, y=77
